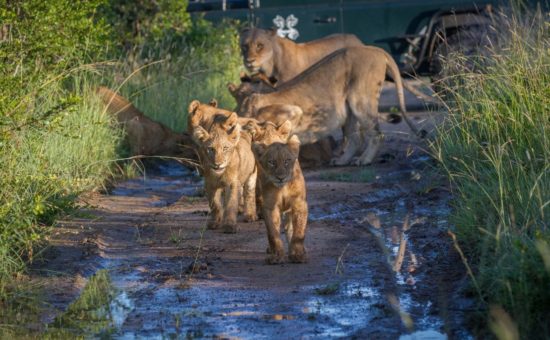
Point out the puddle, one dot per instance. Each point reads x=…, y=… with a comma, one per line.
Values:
x=235, y=295
x=166, y=184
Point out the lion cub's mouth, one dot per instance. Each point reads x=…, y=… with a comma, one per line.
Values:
x=251, y=67
x=279, y=183
x=218, y=170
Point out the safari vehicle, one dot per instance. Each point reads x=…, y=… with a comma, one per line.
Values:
x=410, y=30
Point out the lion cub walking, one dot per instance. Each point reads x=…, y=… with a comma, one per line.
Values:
x=284, y=196
x=227, y=164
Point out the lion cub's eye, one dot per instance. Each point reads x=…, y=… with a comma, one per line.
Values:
x=210, y=150
x=225, y=148
x=287, y=162
x=271, y=163
x=244, y=48
x=259, y=47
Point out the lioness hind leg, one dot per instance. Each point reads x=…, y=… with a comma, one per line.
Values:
x=351, y=142
x=297, y=251
x=373, y=136
x=249, y=194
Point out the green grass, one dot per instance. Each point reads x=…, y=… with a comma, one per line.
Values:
x=56, y=141
x=162, y=89
x=46, y=164
x=363, y=175
x=90, y=315
x=495, y=148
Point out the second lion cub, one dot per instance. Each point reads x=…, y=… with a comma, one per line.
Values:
x=284, y=197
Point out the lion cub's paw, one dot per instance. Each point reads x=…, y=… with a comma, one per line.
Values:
x=213, y=224
x=250, y=217
x=297, y=254
x=230, y=228
x=276, y=257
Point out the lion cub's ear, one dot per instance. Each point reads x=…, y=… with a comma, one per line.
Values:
x=258, y=150
x=200, y=135
x=213, y=102
x=193, y=106
x=294, y=145
x=231, y=126
x=284, y=129
x=252, y=127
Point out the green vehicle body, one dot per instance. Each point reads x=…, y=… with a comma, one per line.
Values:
x=408, y=29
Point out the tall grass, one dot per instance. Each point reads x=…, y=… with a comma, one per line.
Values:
x=46, y=164
x=165, y=79
x=495, y=149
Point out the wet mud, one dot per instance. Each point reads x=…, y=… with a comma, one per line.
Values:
x=381, y=264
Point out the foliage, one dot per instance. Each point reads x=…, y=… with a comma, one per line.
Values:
x=55, y=139
x=140, y=25
x=495, y=149
x=199, y=69
x=40, y=41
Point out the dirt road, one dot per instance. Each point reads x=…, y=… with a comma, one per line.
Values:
x=380, y=262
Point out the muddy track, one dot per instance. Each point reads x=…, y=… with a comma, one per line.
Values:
x=380, y=262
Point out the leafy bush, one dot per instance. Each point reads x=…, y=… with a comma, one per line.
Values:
x=495, y=148
x=55, y=139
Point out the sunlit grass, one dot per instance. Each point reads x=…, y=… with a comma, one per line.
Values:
x=495, y=148
x=163, y=88
x=46, y=164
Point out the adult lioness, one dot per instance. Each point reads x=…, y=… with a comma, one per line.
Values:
x=283, y=192
x=281, y=59
x=227, y=165
x=342, y=90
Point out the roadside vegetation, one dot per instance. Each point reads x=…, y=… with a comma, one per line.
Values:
x=495, y=148
x=56, y=140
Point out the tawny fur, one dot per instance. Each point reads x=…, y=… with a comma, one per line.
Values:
x=283, y=191
x=144, y=135
x=227, y=163
x=355, y=76
x=280, y=59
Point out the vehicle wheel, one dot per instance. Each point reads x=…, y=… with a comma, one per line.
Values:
x=465, y=50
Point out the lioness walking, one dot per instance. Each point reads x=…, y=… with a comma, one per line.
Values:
x=340, y=91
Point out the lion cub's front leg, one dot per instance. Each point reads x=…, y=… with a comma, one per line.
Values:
x=249, y=193
x=276, y=253
x=215, y=201
x=296, y=249
x=231, y=208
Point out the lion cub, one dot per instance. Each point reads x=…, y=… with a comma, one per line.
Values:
x=283, y=195
x=227, y=164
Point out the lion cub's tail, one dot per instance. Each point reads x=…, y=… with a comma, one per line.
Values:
x=393, y=71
